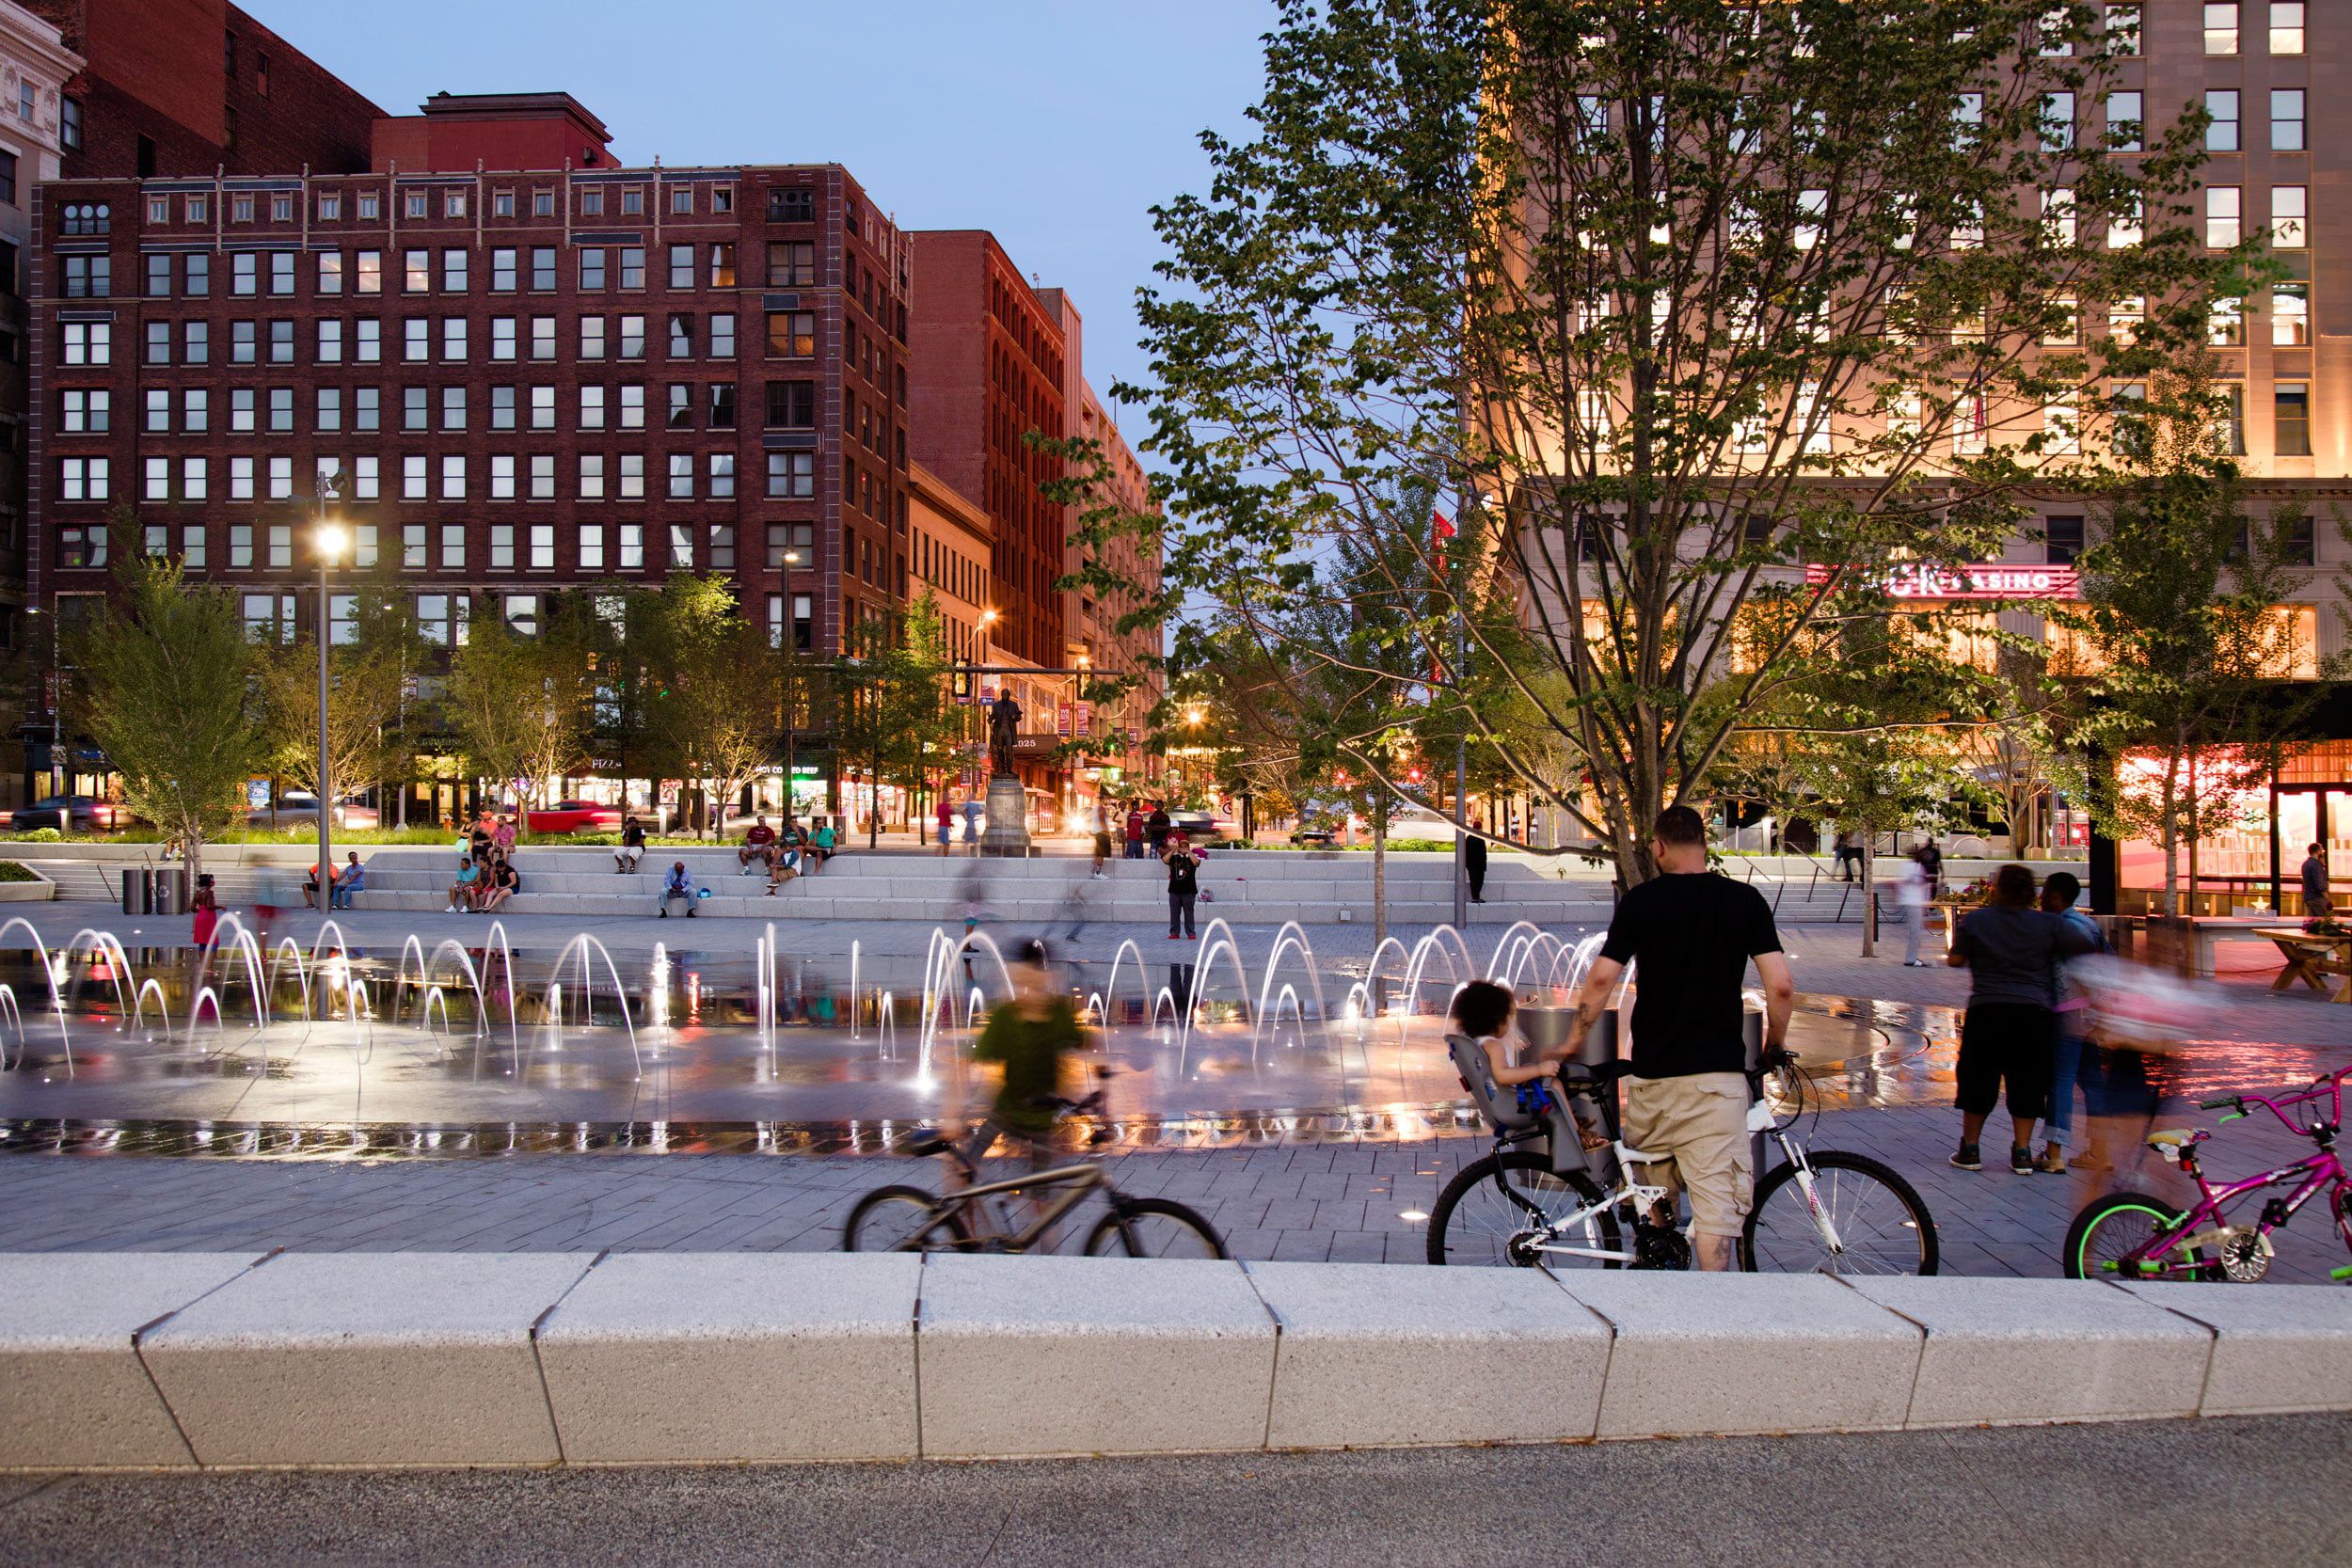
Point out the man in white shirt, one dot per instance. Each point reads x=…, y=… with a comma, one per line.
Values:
x=1914, y=891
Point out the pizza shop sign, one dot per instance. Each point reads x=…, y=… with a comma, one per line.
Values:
x=1993, y=580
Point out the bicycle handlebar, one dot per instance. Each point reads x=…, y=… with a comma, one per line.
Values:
x=2227, y=1101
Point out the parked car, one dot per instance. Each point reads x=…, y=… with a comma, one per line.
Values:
x=574, y=816
x=89, y=815
x=1199, y=824
x=298, y=806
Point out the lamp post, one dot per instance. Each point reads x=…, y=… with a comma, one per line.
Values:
x=330, y=543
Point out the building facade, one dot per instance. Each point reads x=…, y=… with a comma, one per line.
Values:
x=507, y=379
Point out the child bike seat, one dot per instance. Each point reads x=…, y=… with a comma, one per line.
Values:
x=2172, y=1137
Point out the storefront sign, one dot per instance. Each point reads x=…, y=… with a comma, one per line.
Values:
x=1992, y=580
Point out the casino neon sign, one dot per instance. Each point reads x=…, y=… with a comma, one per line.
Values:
x=1989, y=580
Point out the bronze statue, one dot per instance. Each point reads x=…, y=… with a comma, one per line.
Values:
x=1003, y=733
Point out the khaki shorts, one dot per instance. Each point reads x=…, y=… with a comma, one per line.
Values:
x=1700, y=1123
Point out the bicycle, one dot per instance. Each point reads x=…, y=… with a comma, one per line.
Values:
x=970, y=1218
x=2133, y=1236
x=1830, y=1213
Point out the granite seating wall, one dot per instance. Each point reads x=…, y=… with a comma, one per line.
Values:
x=180, y=1361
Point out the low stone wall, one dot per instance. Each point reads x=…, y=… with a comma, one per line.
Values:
x=177, y=1360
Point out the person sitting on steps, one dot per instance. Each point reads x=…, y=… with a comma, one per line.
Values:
x=677, y=884
x=759, y=846
x=632, y=846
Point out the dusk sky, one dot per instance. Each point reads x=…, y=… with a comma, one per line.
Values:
x=1056, y=124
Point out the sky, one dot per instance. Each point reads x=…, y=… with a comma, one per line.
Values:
x=1055, y=123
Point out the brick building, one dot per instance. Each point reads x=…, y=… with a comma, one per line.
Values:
x=186, y=88
x=517, y=378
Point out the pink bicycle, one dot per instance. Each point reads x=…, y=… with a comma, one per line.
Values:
x=2133, y=1236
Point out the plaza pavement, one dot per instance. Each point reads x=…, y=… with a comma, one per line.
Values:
x=1305, y=1192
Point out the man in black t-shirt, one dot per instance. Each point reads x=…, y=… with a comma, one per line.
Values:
x=1183, y=885
x=1692, y=935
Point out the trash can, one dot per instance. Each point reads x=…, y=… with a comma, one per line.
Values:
x=138, y=890
x=170, y=890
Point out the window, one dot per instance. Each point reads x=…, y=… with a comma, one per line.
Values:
x=2286, y=120
x=501, y=408
x=281, y=479
x=791, y=264
x=2056, y=123
x=453, y=272
x=543, y=408
x=2221, y=124
x=157, y=486
x=70, y=124
x=793, y=475
x=453, y=408
x=243, y=410
x=543, y=547
x=244, y=271
x=503, y=477
x=416, y=407
x=241, y=479
x=241, y=546
x=542, y=337
x=2298, y=541
x=2225, y=322
x=803, y=623
x=722, y=405
x=371, y=206
x=634, y=406
x=541, y=266
x=723, y=198
x=367, y=340
x=89, y=277
x=86, y=413
x=366, y=475
x=2291, y=403
x=502, y=548
x=281, y=272
x=792, y=334
x=453, y=560
x=2222, y=216
x=681, y=266
x=441, y=618
x=371, y=273
x=281, y=347
x=591, y=476
x=413, y=205
x=412, y=552
x=592, y=337
x=681, y=406
x=330, y=273
x=632, y=201
x=592, y=265
x=416, y=481
x=83, y=479
x=89, y=342
x=2286, y=27
x=415, y=339
x=591, y=546
x=197, y=278
x=795, y=204
x=195, y=410
x=2233, y=426
x=723, y=264
x=86, y=217
x=330, y=206
x=592, y=408
x=281, y=409
x=681, y=476
x=2124, y=229
x=193, y=475
x=2057, y=217
x=330, y=408
x=632, y=336
x=452, y=476
x=632, y=477
x=542, y=476
x=2289, y=208
x=2221, y=29
x=791, y=406
x=722, y=479
x=454, y=339
x=268, y=617
x=633, y=551
x=632, y=266
x=722, y=335
x=2291, y=315
x=721, y=557
x=417, y=271
x=681, y=336
x=502, y=339
x=503, y=270
x=454, y=204
x=159, y=277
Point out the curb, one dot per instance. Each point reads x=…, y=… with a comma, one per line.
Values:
x=225, y=1361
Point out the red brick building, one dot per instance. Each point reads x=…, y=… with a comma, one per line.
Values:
x=988, y=361
x=183, y=88
x=540, y=376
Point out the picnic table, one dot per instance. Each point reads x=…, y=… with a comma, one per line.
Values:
x=2308, y=956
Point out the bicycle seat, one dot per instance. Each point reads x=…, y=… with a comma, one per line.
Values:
x=2174, y=1137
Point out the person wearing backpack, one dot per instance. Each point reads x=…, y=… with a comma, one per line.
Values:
x=2074, y=1058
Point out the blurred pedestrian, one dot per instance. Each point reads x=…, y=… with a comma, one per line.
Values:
x=2007, y=1038
x=1914, y=891
x=1474, y=861
x=947, y=818
x=2074, y=1058
x=206, y=908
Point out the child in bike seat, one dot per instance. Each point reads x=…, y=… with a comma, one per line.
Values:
x=1512, y=1094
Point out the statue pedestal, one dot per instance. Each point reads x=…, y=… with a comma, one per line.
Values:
x=1007, y=831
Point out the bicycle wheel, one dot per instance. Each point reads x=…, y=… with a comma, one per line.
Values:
x=1476, y=1224
x=2108, y=1228
x=903, y=1219
x=1152, y=1227
x=1881, y=1223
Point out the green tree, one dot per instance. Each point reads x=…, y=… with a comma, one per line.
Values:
x=717, y=713
x=520, y=702
x=1684, y=293
x=366, y=704
x=163, y=674
x=890, y=709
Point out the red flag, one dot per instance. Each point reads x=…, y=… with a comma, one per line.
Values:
x=1443, y=523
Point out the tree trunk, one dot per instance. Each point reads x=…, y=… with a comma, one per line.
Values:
x=192, y=838
x=1870, y=894
x=2169, y=833
x=1379, y=871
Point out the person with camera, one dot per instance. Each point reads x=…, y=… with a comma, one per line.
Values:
x=1183, y=885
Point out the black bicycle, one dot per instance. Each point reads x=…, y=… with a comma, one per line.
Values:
x=1827, y=1212
x=974, y=1216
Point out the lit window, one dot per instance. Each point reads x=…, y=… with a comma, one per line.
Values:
x=2286, y=26
x=2222, y=216
x=2289, y=209
x=2292, y=418
x=2225, y=322
x=2291, y=315
x=2221, y=28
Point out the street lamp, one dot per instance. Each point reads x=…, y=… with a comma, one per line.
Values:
x=329, y=541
